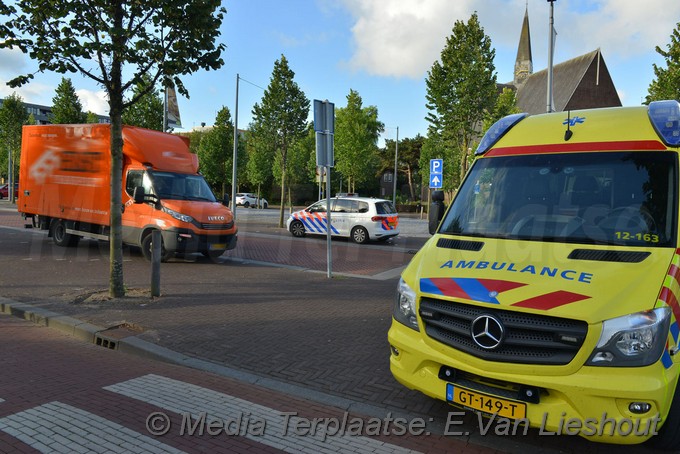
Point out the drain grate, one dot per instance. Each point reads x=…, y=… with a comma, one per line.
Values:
x=110, y=337
x=106, y=343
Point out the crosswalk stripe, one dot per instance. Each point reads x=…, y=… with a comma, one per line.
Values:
x=253, y=421
x=56, y=427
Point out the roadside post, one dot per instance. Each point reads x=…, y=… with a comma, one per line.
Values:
x=156, y=241
x=324, y=129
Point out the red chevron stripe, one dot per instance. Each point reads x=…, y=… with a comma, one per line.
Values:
x=500, y=286
x=668, y=297
x=449, y=287
x=551, y=300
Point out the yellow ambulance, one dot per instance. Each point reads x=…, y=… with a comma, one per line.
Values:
x=549, y=291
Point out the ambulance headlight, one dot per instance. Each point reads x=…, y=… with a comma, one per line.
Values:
x=405, y=306
x=177, y=215
x=633, y=340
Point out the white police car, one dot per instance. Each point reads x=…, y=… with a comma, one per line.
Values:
x=359, y=218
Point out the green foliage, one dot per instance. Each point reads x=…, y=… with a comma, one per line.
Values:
x=667, y=82
x=408, y=162
x=216, y=153
x=261, y=156
x=66, y=106
x=506, y=104
x=147, y=112
x=461, y=90
x=91, y=117
x=282, y=118
x=13, y=117
x=107, y=42
x=357, y=130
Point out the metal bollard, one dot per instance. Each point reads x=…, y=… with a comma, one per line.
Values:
x=156, y=244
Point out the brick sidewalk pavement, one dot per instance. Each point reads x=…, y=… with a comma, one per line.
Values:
x=59, y=395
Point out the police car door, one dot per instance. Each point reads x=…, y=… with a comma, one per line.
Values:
x=341, y=216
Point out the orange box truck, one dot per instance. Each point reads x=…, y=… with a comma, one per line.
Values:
x=65, y=188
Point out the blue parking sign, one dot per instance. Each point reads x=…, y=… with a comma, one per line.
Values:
x=436, y=170
x=436, y=166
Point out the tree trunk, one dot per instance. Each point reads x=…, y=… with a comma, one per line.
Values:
x=115, y=92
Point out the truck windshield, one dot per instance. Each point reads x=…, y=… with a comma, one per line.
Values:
x=617, y=198
x=180, y=186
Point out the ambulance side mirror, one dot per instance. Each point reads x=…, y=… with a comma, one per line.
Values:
x=436, y=212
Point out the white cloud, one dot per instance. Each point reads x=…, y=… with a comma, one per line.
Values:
x=12, y=61
x=94, y=101
x=398, y=38
x=402, y=39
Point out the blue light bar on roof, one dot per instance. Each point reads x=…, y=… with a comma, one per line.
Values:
x=498, y=130
x=665, y=116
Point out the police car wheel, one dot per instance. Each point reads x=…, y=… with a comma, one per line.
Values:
x=297, y=229
x=359, y=235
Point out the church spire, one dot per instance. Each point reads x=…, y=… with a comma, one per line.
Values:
x=524, y=66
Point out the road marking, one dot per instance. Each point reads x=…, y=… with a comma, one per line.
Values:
x=185, y=398
x=60, y=428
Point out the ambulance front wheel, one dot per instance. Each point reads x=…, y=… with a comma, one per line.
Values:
x=297, y=228
x=147, y=246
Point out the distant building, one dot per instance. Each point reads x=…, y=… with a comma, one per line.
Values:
x=42, y=113
x=580, y=83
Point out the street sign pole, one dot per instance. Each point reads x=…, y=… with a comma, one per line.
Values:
x=324, y=128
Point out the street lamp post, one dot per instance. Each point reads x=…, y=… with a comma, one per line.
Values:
x=396, y=158
x=551, y=50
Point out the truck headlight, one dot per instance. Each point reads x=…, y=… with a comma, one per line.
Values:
x=405, y=306
x=633, y=340
x=177, y=215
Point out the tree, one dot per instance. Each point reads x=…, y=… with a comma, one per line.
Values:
x=261, y=157
x=506, y=104
x=147, y=112
x=357, y=130
x=299, y=157
x=107, y=41
x=216, y=152
x=407, y=159
x=66, y=106
x=91, y=117
x=282, y=116
x=13, y=116
x=461, y=90
x=667, y=82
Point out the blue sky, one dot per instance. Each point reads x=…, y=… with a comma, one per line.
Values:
x=384, y=48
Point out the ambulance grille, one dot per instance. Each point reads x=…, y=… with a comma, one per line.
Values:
x=527, y=339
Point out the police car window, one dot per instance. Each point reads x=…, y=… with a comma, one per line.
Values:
x=318, y=207
x=385, y=208
x=362, y=208
x=344, y=206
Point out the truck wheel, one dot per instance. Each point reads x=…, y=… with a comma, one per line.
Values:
x=146, y=249
x=297, y=228
x=60, y=237
x=359, y=235
x=668, y=438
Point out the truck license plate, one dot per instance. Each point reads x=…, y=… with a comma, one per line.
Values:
x=217, y=246
x=485, y=403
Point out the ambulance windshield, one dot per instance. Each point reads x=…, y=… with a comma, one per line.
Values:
x=619, y=198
